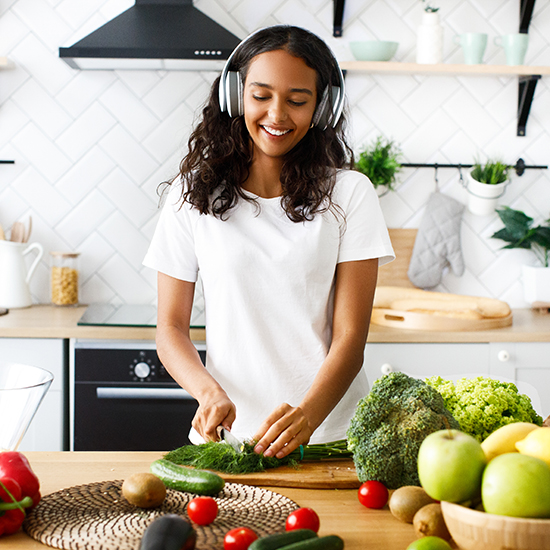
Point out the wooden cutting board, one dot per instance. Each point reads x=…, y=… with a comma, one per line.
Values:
x=426, y=321
x=322, y=474
x=395, y=273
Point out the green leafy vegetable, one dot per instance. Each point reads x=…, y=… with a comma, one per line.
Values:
x=389, y=425
x=481, y=405
x=223, y=458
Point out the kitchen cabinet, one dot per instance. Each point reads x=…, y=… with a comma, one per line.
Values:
x=527, y=364
x=48, y=427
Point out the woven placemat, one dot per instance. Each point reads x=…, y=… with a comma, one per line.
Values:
x=97, y=517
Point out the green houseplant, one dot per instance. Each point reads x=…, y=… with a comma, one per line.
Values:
x=519, y=232
x=380, y=163
x=486, y=183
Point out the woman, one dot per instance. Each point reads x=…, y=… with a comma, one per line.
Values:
x=287, y=242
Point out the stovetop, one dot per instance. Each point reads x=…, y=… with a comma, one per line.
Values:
x=119, y=316
x=125, y=315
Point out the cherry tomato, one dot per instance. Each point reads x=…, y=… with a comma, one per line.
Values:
x=239, y=539
x=202, y=510
x=373, y=494
x=303, y=518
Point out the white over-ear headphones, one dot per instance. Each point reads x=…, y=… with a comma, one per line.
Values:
x=328, y=111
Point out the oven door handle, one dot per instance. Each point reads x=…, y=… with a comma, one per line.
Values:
x=142, y=393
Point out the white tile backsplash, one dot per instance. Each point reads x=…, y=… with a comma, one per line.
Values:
x=91, y=147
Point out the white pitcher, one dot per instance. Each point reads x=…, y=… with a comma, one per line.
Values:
x=14, y=276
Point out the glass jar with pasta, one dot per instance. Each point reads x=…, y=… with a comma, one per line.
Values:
x=64, y=278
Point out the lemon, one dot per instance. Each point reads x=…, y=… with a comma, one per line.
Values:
x=537, y=444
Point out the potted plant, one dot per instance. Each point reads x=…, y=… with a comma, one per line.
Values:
x=486, y=183
x=519, y=232
x=380, y=163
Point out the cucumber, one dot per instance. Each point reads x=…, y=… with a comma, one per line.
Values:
x=169, y=532
x=201, y=482
x=329, y=542
x=278, y=540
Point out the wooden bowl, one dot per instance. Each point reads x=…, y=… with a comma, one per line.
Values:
x=475, y=530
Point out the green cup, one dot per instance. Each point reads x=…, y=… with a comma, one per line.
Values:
x=473, y=46
x=515, y=47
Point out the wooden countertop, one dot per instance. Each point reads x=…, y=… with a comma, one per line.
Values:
x=45, y=321
x=339, y=510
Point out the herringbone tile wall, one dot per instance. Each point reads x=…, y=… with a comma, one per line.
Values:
x=91, y=147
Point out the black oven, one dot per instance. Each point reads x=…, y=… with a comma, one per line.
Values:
x=123, y=399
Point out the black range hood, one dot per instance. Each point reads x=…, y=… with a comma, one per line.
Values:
x=155, y=34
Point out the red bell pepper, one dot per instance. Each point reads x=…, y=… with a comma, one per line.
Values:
x=12, y=506
x=19, y=489
x=15, y=465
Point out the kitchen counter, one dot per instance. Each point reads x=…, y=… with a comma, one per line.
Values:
x=45, y=321
x=339, y=510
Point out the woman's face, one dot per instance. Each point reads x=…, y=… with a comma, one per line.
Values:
x=279, y=102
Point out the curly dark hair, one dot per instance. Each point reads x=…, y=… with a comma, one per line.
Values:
x=219, y=152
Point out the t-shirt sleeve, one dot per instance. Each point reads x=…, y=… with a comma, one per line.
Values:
x=364, y=234
x=172, y=249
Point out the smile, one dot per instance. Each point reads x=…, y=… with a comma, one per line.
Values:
x=275, y=132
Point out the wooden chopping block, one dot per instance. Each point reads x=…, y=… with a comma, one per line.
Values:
x=442, y=303
x=315, y=474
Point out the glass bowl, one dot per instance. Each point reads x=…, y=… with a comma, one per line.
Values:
x=22, y=388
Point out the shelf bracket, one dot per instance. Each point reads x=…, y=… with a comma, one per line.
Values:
x=526, y=91
x=526, y=12
x=338, y=17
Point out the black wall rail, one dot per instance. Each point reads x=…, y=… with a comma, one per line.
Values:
x=7, y=162
x=519, y=167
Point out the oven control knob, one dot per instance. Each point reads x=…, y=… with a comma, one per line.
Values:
x=142, y=370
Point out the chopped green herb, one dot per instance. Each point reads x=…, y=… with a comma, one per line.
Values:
x=223, y=458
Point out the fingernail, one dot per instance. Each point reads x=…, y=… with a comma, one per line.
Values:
x=279, y=454
x=268, y=453
x=258, y=449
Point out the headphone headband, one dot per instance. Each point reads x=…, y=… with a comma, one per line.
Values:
x=328, y=111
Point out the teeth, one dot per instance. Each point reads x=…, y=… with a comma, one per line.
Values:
x=275, y=132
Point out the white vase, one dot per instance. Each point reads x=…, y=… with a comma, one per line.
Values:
x=429, y=46
x=483, y=197
x=536, y=283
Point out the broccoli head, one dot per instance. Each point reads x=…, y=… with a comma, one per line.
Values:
x=482, y=405
x=389, y=425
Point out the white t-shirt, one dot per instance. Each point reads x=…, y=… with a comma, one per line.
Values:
x=268, y=286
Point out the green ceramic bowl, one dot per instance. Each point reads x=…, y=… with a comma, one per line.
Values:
x=373, y=50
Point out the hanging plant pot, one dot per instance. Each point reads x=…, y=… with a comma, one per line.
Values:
x=483, y=197
x=536, y=283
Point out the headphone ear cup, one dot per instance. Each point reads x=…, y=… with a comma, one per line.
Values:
x=322, y=115
x=234, y=94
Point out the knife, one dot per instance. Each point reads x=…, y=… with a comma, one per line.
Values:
x=230, y=439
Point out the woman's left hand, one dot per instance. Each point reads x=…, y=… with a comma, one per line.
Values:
x=283, y=431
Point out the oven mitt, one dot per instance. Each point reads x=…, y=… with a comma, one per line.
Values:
x=437, y=242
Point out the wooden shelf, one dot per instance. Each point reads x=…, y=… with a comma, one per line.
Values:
x=391, y=67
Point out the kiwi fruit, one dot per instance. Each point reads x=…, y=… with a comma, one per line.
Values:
x=144, y=490
x=406, y=501
x=429, y=522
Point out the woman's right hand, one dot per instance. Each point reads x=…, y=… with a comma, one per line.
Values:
x=216, y=410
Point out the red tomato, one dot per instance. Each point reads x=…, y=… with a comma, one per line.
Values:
x=303, y=518
x=239, y=539
x=373, y=494
x=202, y=510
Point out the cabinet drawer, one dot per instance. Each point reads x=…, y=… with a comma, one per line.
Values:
x=424, y=360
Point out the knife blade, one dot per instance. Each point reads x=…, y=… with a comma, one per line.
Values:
x=230, y=439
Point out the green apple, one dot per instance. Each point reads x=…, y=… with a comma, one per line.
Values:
x=429, y=543
x=450, y=465
x=516, y=485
